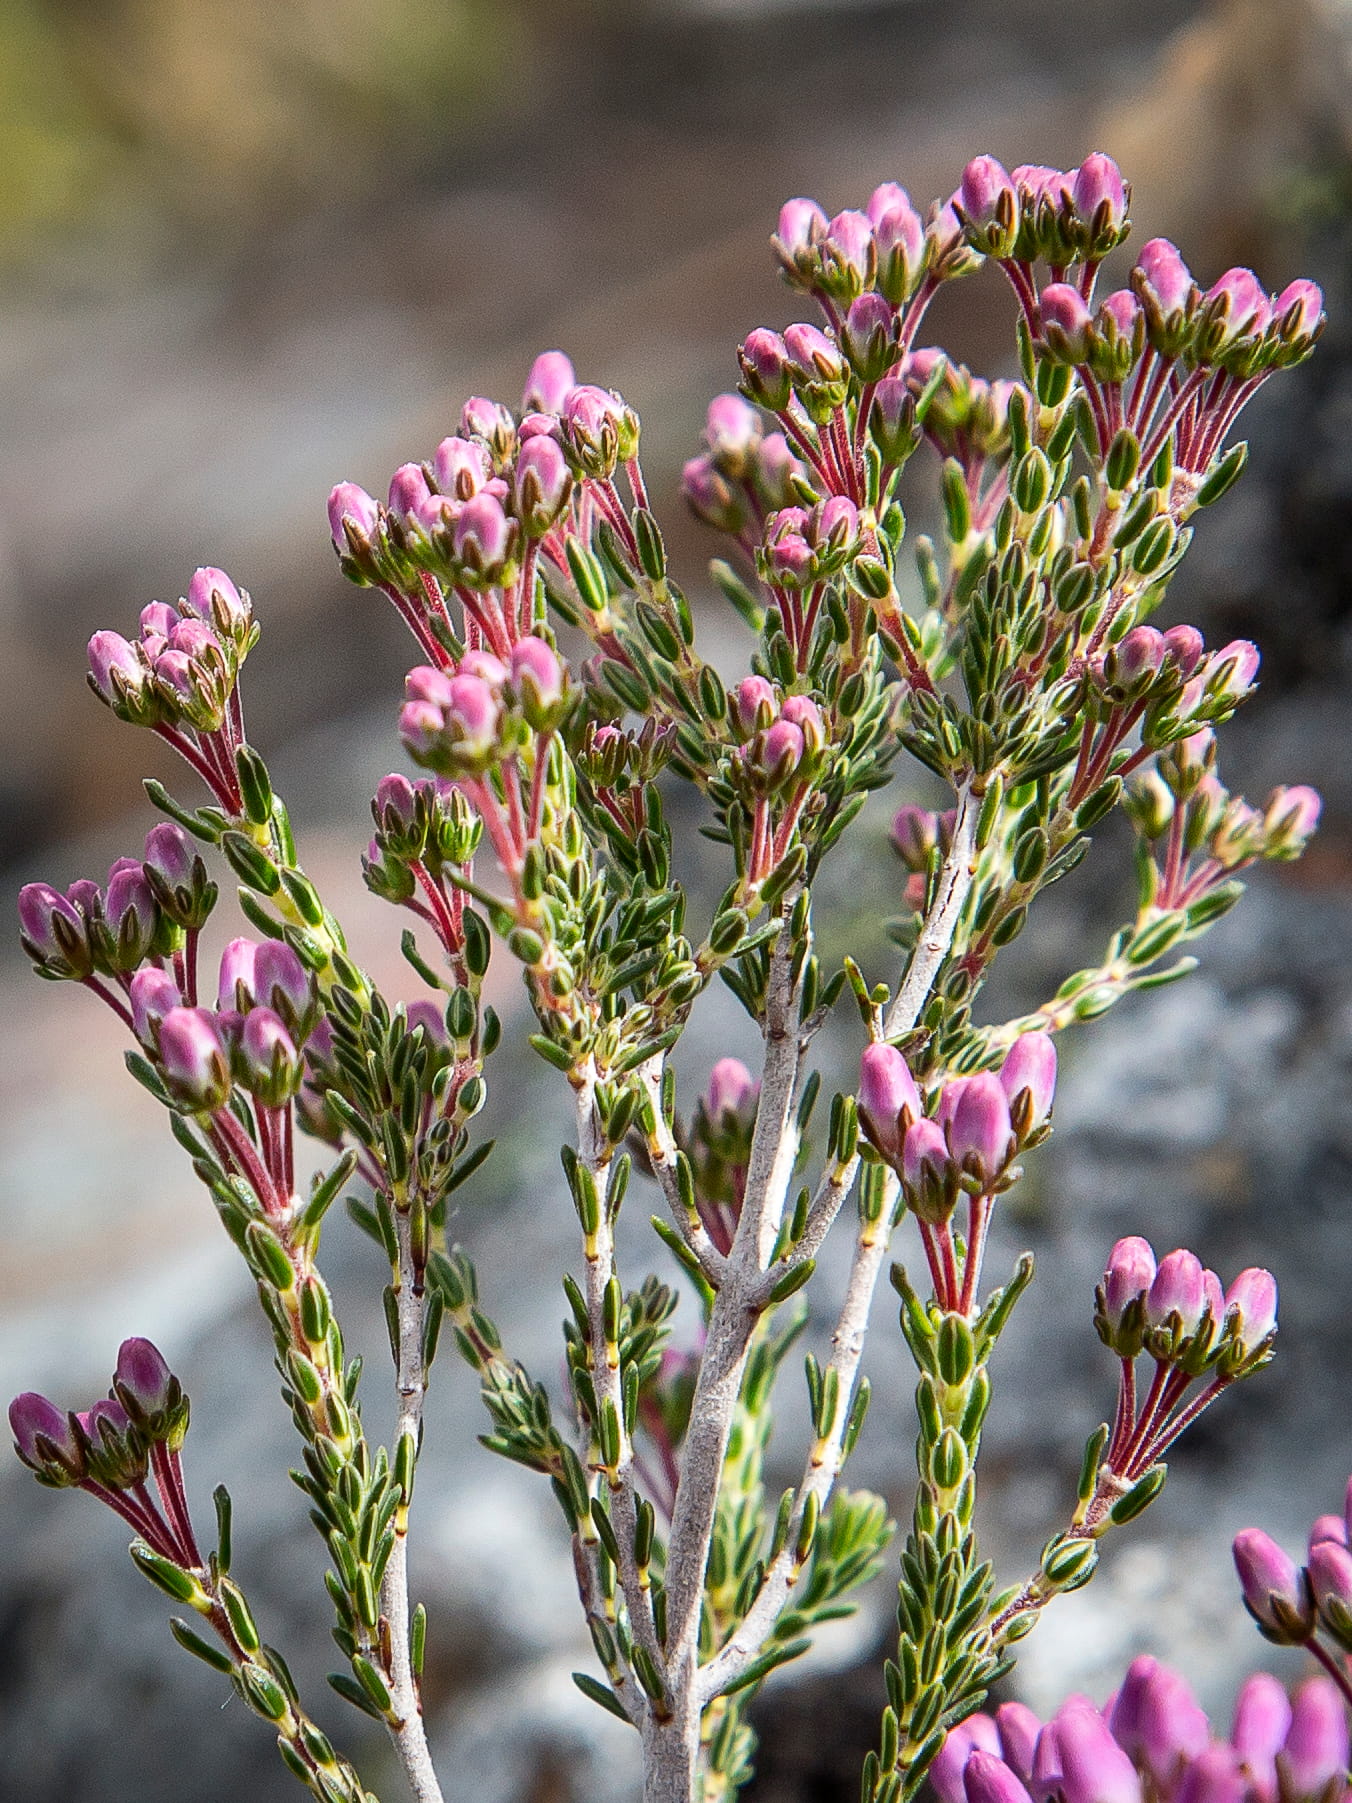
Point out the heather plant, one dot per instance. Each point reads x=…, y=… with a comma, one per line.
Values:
x=558, y=702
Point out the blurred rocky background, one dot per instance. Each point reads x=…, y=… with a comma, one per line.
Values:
x=248, y=251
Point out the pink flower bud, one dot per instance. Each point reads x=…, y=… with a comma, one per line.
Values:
x=1214, y=1776
x=152, y=994
x=1138, y=658
x=52, y=929
x=887, y=1093
x=765, y=368
x=789, y=559
x=1330, y=1569
x=158, y=620
x=899, y=241
x=1292, y=814
x=978, y=1732
x=711, y=496
x=1275, y=1592
x=354, y=513
x=420, y=728
x=192, y=1059
x=1019, y=1729
x=1129, y=1276
x=131, y=912
x=987, y=195
x=1163, y=279
x=1044, y=1780
x=44, y=1438
x=731, y=1090
x=1098, y=183
x=266, y=1058
x=1232, y=670
x=891, y=419
x=813, y=357
x=1179, y=1289
x=802, y=226
x=1094, y=1769
x=537, y=673
x=423, y=683
x=1299, y=309
x=143, y=1381
x=1183, y=646
x=473, y=715
x=1118, y=313
x=541, y=484
x=490, y=421
x=775, y=468
x=461, y=468
x=548, y=384
x=483, y=537
x=783, y=750
x=1261, y=1721
x=1252, y=1300
x=924, y=1154
x=395, y=803
x=755, y=702
x=986, y=1779
x=1241, y=300
x=849, y=260
x=281, y=982
x=485, y=666
x=980, y=1134
x=116, y=671
x=1328, y=1527
x=1030, y=1064
x=237, y=984
x=409, y=489
x=1170, y=1727
x=1316, y=1751
x=915, y=832
x=1065, y=321
x=833, y=526
x=172, y=856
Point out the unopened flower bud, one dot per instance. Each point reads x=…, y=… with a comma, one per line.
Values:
x=409, y=490
x=989, y=206
x=132, y=917
x=461, y=468
x=1291, y=816
x=1178, y=1296
x=978, y=1732
x=214, y=598
x=1214, y=1776
x=802, y=226
x=731, y=1090
x=711, y=496
x=144, y=1383
x=281, y=982
x=765, y=369
x=980, y=1134
x=915, y=833
x=593, y=422
x=1276, y=1594
x=987, y=1779
x=1330, y=1569
x=1168, y=295
x=493, y=423
x=888, y=1098
x=266, y=1060
x=1315, y=1754
x=236, y=985
x=541, y=484
x=1298, y=314
x=192, y=1059
x=116, y=673
x=899, y=243
x=1100, y=198
x=782, y=750
x=1122, y=1295
x=755, y=701
x=45, y=1439
x=815, y=360
x=775, y=470
x=1066, y=322
x=1030, y=1069
x=484, y=539
x=1261, y=1720
x=868, y=336
x=833, y=527
x=1252, y=1301
x=53, y=932
x=152, y=994
x=537, y=674
x=1019, y=1728
x=1133, y=664
x=849, y=261
x=1094, y=1769
x=548, y=385
x=1238, y=304
x=891, y=419
x=353, y=516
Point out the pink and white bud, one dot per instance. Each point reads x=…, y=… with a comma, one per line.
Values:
x=352, y=514
x=1163, y=278
x=537, y=673
x=756, y=703
x=977, y=1733
x=765, y=368
x=813, y=357
x=266, y=1058
x=1233, y=670
x=849, y=261
x=1252, y=1301
x=899, y=240
x=1315, y=1755
x=409, y=490
x=1216, y=1775
x=782, y=751
x=490, y=421
x=1275, y=1591
x=192, y=1059
x=1299, y=310
x=1066, y=322
x=802, y=226
x=1098, y=183
x=131, y=912
x=548, y=384
x=980, y=1136
x=143, y=1380
x=711, y=496
x=483, y=537
x=1291, y=816
x=1030, y=1065
x=915, y=833
x=731, y=1090
x=1183, y=645
x=1130, y=1274
x=1179, y=1290
x=424, y=683
x=237, y=987
x=1262, y=1719
x=888, y=1098
x=1171, y=1727
x=833, y=526
x=986, y=193
x=1330, y=1569
x=152, y=994
x=1138, y=659
x=115, y=669
x=1328, y=1527
x=776, y=467
x=924, y=1154
x=541, y=483
x=52, y=928
x=1019, y=1728
x=1241, y=300
x=281, y=982
x=158, y=620
x=461, y=468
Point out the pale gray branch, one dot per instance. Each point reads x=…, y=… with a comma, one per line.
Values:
x=939, y=925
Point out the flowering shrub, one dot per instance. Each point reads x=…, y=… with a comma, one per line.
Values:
x=1021, y=671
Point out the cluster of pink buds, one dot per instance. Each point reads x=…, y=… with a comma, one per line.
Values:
x=965, y=416
x=1309, y=1605
x=151, y=909
x=783, y=748
x=180, y=676
x=113, y=1448
x=1162, y=359
x=1152, y=1743
x=719, y=1147
x=1198, y=834
x=499, y=502
x=965, y=1147
x=1193, y=1331
x=744, y=475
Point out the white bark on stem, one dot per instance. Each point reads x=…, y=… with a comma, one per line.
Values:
x=939, y=925
x=407, y=1729
x=662, y=1153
